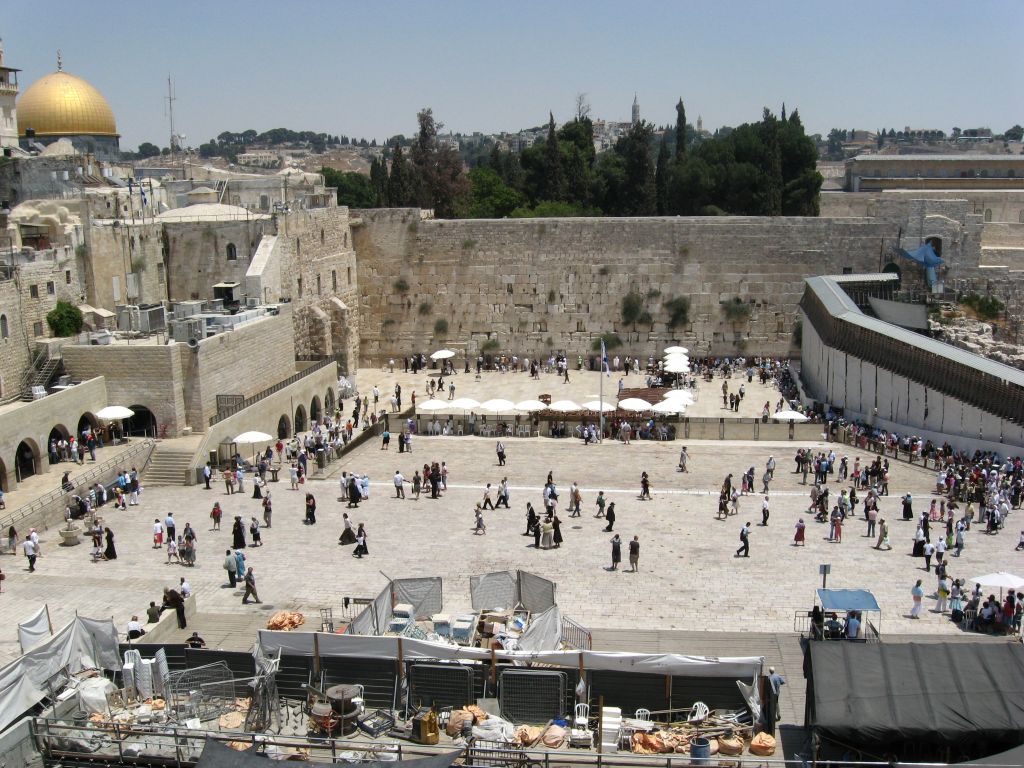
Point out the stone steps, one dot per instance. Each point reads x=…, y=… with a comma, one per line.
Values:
x=168, y=466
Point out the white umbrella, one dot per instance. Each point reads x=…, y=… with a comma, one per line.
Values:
x=564, y=406
x=677, y=366
x=112, y=412
x=432, y=405
x=634, y=404
x=679, y=395
x=530, y=406
x=669, y=407
x=1000, y=579
x=465, y=403
x=599, y=405
x=670, y=350
x=789, y=416
x=251, y=438
x=442, y=354
x=498, y=405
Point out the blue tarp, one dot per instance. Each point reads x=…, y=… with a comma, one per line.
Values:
x=842, y=600
x=926, y=257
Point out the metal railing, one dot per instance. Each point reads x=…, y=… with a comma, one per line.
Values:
x=576, y=635
x=297, y=376
x=42, y=505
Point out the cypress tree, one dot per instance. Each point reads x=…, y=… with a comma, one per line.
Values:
x=680, y=129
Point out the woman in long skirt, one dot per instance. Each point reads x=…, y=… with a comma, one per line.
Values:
x=110, y=553
x=798, y=537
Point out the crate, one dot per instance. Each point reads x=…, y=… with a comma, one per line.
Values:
x=378, y=723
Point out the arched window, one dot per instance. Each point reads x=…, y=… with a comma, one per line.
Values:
x=988, y=214
x=4, y=330
x=232, y=252
x=321, y=237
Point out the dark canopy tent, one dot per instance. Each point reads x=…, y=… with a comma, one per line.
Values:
x=218, y=755
x=1012, y=758
x=902, y=698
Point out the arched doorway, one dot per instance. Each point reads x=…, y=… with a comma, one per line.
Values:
x=26, y=460
x=86, y=423
x=142, y=424
x=57, y=434
x=936, y=244
x=3, y=476
x=300, y=419
x=314, y=410
x=284, y=428
x=329, y=402
x=894, y=268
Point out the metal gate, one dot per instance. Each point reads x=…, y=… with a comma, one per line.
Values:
x=530, y=696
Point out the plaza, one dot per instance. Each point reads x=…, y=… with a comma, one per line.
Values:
x=689, y=578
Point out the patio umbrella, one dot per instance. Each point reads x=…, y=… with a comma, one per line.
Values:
x=670, y=350
x=677, y=366
x=498, y=405
x=432, y=405
x=1000, y=579
x=634, y=404
x=114, y=412
x=789, y=416
x=442, y=354
x=565, y=406
x=669, y=406
x=529, y=406
x=678, y=396
x=598, y=406
x=251, y=438
x=465, y=403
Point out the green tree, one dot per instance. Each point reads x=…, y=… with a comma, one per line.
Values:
x=1016, y=133
x=661, y=171
x=553, y=185
x=680, y=129
x=490, y=197
x=440, y=182
x=379, y=182
x=836, y=137
x=773, y=202
x=636, y=196
x=400, y=192
x=146, y=149
x=65, y=319
x=354, y=189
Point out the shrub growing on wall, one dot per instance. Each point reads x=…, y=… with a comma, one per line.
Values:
x=632, y=307
x=440, y=327
x=736, y=310
x=678, y=311
x=611, y=341
x=65, y=319
x=401, y=285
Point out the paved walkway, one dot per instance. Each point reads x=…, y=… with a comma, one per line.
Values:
x=689, y=578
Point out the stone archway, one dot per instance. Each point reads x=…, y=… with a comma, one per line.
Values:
x=58, y=433
x=142, y=424
x=894, y=268
x=284, y=427
x=936, y=243
x=300, y=420
x=314, y=411
x=26, y=459
x=87, y=422
x=3, y=476
x=329, y=402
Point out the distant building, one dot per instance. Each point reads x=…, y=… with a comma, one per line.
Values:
x=8, y=98
x=636, y=111
x=871, y=173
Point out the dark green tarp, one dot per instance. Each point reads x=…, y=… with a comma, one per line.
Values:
x=961, y=695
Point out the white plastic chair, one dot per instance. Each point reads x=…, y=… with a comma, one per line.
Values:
x=698, y=712
x=643, y=714
x=582, y=717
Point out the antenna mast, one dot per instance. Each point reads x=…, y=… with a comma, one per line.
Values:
x=171, y=98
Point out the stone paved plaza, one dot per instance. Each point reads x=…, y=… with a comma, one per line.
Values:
x=689, y=578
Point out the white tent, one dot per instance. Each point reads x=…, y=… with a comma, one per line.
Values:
x=432, y=405
x=565, y=406
x=498, y=405
x=669, y=406
x=529, y=406
x=599, y=405
x=634, y=404
x=442, y=354
x=465, y=403
x=789, y=416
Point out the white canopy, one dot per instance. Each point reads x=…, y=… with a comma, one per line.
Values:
x=1000, y=579
x=670, y=350
x=465, y=403
x=387, y=647
x=114, y=412
x=530, y=406
x=599, y=405
x=679, y=396
x=677, y=366
x=249, y=438
x=442, y=354
x=669, y=406
x=789, y=416
x=634, y=404
x=432, y=405
x=564, y=406
x=498, y=405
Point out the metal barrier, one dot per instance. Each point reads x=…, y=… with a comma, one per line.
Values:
x=576, y=635
x=95, y=474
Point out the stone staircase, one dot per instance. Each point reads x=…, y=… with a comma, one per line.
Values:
x=169, y=465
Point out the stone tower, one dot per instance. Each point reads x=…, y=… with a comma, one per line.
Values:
x=636, y=111
x=8, y=99
x=700, y=125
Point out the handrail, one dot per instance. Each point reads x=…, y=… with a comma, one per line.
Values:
x=576, y=635
x=85, y=479
x=297, y=376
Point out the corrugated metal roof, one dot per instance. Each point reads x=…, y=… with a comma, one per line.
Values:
x=840, y=305
x=938, y=158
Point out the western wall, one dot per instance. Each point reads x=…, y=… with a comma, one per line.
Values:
x=542, y=285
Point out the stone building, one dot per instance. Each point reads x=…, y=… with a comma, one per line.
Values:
x=872, y=173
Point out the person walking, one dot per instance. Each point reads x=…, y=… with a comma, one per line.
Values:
x=616, y=552
x=503, y=494
x=399, y=485
x=610, y=517
x=31, y=552
x=268, y=510
x=600, y=504
x=158, y=533
x=250, y=587
x=238, y=533
x=310, y=509
x=765, y=512
x=500, y=450
x=927, y=551
x=169, y=526
x=215, y=514
x=883, y=535
x=231, y=566
x=645, y=487
x=684, y=458
x=488, y=503
x=361, y=548
x=254, y=532
x=207, y=474
x=634, y=555
x=917, y=594
x=479, y=529
x=744, y=548
x=798, y=537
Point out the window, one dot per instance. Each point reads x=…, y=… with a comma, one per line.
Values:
x=298, y=248
x=37, y=328
x=346, y=239
x=232, y=252
x=4, y=330
x=988, y=214
x=334, y=279
x=847, y=270
x=160, y=276
x=1011, y=173
x=67, y=276
x=348, y=270
x=318, y=291
x=300, y=287
x=321, y=237
x=50, y=287
x=33, y=291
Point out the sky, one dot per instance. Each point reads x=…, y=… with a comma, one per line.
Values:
x=364, y=69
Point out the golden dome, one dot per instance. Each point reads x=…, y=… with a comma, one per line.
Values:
x=61, y=104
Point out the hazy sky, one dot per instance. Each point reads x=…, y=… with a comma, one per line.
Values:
x=364, y=69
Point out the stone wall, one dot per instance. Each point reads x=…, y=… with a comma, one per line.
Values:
x=196, y=254
x=114, y=252
x=542, y=285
